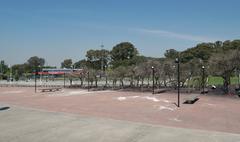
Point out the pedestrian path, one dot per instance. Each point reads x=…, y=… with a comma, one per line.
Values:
x=31, y=125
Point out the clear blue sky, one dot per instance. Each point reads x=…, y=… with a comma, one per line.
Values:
x=59, y=29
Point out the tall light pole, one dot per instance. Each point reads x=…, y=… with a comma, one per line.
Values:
x=178, y=79
x=10, y=73
x=1, y=70
x=105, y=67
x=203, y=79
x=102, y=56
x=88, y=80
x=35, y=78
x=238, y=76
x=64, y=79
x=153, y=77
x=40, y=70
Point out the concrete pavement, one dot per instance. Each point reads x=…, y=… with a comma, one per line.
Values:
x=19, y=124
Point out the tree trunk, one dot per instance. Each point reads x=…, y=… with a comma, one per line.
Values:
x=113, y=83
x=165, y=82
x=142, y=81
x=96, y=82
x=70, y=82
x=138, y=79
x=106, y=82
x=131, y=82
x=81, y=79
x=226, y=84
x=122, y=83
x=148, y=82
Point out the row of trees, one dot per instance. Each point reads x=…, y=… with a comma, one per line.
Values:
x=124, y=62
x=20, y=70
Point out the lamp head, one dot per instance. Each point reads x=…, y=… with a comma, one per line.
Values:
x=176, y=60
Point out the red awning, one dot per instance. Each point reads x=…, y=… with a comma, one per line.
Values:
x=49, y=73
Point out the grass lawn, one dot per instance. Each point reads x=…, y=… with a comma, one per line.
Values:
x=213, y=80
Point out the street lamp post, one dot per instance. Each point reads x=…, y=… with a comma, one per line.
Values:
x=9, y=78
x=105, y=67
x=64, y=79
x=40, y=70
x=203, y=78
x=1, y=71
x=35, y=78
x=178, y=79
x=102, y=57
x=238, y=78
x=153, y=77
x=88, y=80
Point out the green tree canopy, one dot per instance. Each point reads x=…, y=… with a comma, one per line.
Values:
x=98, y=58
x=224, y=64
x=67, y=63
x=3, y=67
x=82, y=64
x=35, y=61
x=171, y=54
x=122, y=53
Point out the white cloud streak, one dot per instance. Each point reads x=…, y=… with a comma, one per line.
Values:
x=176, y=35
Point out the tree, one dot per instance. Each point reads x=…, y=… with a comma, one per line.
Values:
x=202, y=51
x=35, y=61
x=112, y=75
x=171, y=54
x=169, y=70
x=82, y=64
x=122, y=54
x=67, y=63
x=93, y=76
x=18, y=70
x=3, y=67
x=224, y=64
x=121, y=73
x=98, y=59
x=193, y=71
x=148, y=70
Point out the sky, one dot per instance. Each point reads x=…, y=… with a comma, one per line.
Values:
x=61, y=29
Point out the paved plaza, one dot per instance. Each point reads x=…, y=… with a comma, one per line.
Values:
x=31, y=125
x=108, y=116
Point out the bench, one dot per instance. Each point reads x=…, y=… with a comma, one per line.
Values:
x=50, y=89
x=98, y=89
x=157, y=91
x=191, y=99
